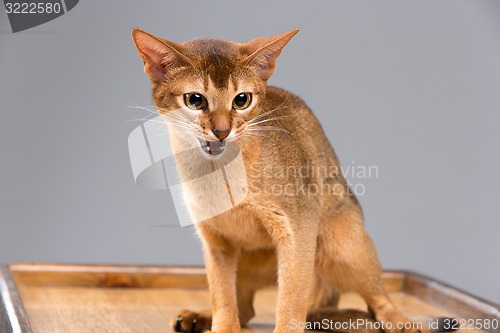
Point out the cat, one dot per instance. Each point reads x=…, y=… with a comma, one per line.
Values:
x=311, y=243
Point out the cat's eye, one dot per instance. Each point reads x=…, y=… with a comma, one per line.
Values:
x=242, y=101
x=195, y=101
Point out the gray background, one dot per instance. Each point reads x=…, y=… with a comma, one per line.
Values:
x=410, y=87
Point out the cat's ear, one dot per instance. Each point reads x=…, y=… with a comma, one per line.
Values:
x=158, y=55
x=263, y=52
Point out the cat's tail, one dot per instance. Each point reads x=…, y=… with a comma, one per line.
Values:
x=357, y=321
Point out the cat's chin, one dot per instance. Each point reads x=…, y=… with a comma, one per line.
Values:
x=212, y=147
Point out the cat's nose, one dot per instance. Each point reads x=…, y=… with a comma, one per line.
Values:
x=221, y=134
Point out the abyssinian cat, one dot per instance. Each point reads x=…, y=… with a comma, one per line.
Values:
x=313, y=244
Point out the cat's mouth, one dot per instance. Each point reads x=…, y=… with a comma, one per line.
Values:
x=212, y=147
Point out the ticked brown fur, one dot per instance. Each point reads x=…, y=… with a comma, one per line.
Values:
x=313, y=245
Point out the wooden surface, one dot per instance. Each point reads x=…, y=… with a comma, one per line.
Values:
x=67, y=309
x=69, y=299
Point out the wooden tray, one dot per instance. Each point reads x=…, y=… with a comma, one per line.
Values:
x=50, y=298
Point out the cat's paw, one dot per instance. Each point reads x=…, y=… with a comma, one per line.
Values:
x=192, y=322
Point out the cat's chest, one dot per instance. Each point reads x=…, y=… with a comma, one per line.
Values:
x=210, y=186
x=241, y=227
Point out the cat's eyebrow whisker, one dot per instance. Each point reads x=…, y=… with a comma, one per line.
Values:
x=266, y=120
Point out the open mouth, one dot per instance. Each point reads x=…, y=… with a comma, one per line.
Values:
x=212, y=147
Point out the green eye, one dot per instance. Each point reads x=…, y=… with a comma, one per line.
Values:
x=195, y=101
x=242, y=101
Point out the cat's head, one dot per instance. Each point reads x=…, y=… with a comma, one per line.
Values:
x=210, y=88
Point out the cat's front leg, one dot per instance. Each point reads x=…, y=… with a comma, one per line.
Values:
x=221, y=260
x=296, y=250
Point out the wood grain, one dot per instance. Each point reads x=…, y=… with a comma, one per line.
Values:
x=108, y=276
x=88, y=298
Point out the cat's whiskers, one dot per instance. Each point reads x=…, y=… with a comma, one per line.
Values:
x=154, y=111
x=255, y=124
x=144, y=119
x=165, y=122
x=262, y=115
x=253, y=128
x=144, y=108
x=171, y=116
x=266, y=120
x=185, y=126
x=180, y=125
x=267, y=128
x=250, y=134
x=159, y=135
x=162, y=133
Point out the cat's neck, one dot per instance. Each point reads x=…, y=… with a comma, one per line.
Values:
x=210, y=185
